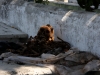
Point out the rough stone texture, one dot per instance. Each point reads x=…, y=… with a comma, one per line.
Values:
x=10, y=32
x=14, y=69
x=79, y=28
x=61, y=64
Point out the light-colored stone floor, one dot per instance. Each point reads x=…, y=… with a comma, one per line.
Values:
x=15, y=69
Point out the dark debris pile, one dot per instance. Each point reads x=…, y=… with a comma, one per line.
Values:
x=43, y=42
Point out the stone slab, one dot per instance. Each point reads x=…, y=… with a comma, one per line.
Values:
x=10, y=32
x=15, y=69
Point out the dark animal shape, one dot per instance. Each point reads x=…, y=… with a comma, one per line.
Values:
x=45, y=33
x=86, y=4
x=92, y=73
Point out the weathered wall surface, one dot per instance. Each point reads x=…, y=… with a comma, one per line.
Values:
x=81, y=29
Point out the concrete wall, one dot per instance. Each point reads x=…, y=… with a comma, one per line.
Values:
x=80, y=28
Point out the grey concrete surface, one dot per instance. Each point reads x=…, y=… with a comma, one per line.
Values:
x=10, y=32
x=15, y=69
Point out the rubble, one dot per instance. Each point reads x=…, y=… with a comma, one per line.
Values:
x=42, y=50
x=91, y=65
x=92, y=73
x=43, y=42
x=61, y=69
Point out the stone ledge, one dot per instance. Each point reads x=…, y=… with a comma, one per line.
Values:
x=10, y=32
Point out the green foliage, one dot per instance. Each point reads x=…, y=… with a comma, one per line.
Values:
x=86, y=4
x=42, y=1
x=39, y=1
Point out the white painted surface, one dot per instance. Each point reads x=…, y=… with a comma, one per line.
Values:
x=81, y=29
